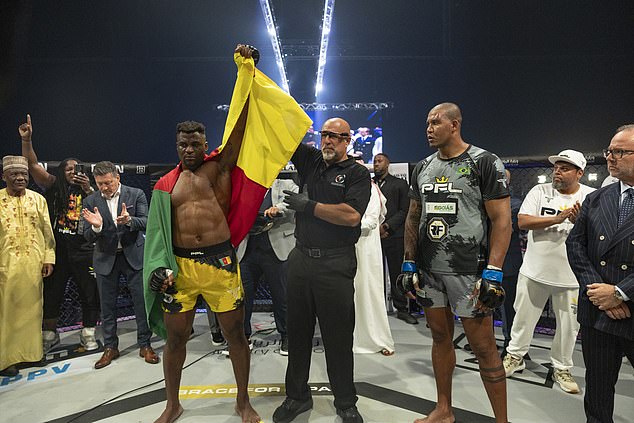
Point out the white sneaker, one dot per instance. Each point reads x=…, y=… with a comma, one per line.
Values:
x=512, y=364
x=566, y=381
x=87, y=339
x=50, y=338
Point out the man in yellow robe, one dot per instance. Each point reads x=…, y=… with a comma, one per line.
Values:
x=28, y=254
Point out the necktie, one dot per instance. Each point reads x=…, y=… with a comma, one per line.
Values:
x=627, y=206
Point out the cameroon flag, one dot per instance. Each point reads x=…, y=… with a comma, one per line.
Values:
x=275, y=126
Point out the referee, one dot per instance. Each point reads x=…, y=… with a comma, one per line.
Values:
x=321, y=269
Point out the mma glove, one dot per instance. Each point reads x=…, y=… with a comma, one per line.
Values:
x=157, y=279
x=408, y=277
x=299, y=202
x=491, y=292
x=407, y=281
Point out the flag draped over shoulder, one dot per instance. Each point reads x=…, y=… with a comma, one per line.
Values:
x=275, y=126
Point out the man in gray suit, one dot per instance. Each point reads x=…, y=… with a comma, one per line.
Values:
x=264, y=252
x=600, y=251
x=115, y=219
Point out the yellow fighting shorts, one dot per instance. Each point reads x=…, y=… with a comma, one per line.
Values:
x=212, y=272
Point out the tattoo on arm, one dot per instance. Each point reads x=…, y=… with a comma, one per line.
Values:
x=411, y=229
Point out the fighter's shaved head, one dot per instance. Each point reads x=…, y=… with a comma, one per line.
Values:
x=450, y=110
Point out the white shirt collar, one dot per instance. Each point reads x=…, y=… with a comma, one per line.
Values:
x=624, y=187
x=115, y=195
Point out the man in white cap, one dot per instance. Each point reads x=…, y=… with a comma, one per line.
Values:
x=28, y=254
x=548, y=213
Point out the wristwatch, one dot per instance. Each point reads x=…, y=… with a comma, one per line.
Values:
x=618, y=295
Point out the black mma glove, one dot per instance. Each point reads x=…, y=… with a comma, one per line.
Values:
x=158, y=278
x=299, y=202
x=491, y=292
x=407, y=281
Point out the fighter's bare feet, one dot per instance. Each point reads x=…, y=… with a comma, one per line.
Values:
x=248, y=414
x=170, y=414
x=438, y=416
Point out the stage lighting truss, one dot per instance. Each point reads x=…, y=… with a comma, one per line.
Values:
x=275, y=41
x=329, y=8
x=322, y=107
x=309, y=107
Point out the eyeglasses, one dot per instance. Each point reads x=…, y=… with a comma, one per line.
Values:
x=339, y=136
x=617, y=154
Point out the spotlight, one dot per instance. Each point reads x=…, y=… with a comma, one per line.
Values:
x=541, y=179
x=275, y=41
x=329, y=8
x=592, y=176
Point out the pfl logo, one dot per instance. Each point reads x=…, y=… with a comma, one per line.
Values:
x=437, y=229
x=442, y=185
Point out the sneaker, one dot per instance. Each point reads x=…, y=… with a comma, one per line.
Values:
x=566, y=381
x=217, y=339
x=284, y=346
x=290, y=409
x=87, y=339
x=513, y=364
x=50, y=338
x=249, y=342
x=406, y=317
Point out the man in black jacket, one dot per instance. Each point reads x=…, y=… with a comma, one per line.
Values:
x=395, y=191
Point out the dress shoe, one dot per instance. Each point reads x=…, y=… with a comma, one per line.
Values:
x=406, y=317
x=290, y=409
x=350, y=415
x=109, y=354
x=149, y=355
x=10, y=371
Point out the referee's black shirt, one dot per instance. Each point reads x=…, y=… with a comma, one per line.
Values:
x=344, y=182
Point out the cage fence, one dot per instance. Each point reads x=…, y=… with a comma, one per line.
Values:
x=526, y=172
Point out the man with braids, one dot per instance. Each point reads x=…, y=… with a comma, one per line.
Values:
x=65, y=193
x=458, y=257
x=195, y=223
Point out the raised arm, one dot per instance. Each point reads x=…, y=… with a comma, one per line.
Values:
x=38, y=173
x=230, y=152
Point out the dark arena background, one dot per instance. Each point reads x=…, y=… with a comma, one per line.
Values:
x=110, y=80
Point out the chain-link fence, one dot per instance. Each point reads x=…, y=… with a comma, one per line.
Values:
x=526, y=172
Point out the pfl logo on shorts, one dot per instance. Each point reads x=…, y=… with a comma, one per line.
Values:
x=437, y=229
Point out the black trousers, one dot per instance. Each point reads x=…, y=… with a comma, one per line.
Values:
x=109, y=291
x=323, y=289
x=260, y=260
x=393, y=251
x=602, y=355
x=78, y=265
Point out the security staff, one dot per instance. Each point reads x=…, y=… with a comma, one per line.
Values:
x=321, y=269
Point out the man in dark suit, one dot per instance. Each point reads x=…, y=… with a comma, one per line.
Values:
x=115, y=219
x=601, y=253
x=395, y=191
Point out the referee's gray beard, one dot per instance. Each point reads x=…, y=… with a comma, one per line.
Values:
x=327, y=155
